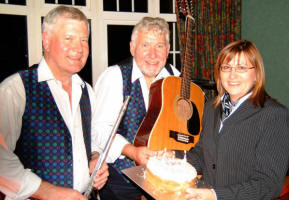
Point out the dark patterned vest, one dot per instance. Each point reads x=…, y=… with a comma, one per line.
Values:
x=45, y=144
x=135, y=111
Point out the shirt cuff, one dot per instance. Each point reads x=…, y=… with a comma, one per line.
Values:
x=31, y=183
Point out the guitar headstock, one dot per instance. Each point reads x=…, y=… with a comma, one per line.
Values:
x=185, y=7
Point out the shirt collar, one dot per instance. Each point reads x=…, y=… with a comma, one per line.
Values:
x=239, y=101
x=136, y=73
x=45, y=74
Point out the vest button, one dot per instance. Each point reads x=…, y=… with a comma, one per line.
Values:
x=214, y=166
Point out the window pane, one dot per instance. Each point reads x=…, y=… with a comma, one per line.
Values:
x=177, y=38
x=86, y=72
x=118, y=48
x=125, y=5
x=166, y=6
x=171, y=34
x=17, y=2
x=50, y=1
x=174, y=33
x=141, y=6
x=80, y=2
x=170, y=59
x=13, y=48
x=66, y=2
x=109, y=5
x=178, y=62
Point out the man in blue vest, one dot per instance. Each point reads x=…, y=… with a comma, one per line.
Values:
x=47, y=140
x=149, y=47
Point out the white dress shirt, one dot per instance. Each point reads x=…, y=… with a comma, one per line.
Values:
x=109, y=99
x=20, y=183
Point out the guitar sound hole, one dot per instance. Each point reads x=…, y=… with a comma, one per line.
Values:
x=183, y=109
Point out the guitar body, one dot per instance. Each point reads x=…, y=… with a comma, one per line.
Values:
x=170, y=117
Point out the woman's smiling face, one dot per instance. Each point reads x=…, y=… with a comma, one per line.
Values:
x=235, y=83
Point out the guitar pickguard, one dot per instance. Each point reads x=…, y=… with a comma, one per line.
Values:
x=193, y=123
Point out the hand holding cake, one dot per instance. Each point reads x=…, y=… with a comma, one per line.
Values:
x=200, y=194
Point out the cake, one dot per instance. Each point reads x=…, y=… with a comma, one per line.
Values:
x=170, y=174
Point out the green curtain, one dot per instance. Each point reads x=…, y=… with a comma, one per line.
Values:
x=217, y=23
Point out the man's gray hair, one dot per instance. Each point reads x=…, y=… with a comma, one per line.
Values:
x=152, y=23
x=62, y=11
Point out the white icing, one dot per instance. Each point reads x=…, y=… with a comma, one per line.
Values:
x=172, y=169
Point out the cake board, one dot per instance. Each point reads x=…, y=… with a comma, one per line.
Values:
x=136, y=174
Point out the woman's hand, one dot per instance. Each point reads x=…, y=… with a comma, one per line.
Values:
x=200, y=194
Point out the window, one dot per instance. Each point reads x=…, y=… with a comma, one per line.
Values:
x=126, y=5
x=108, y=19
x=15, y=2
x=13, y=50
x=166, y=6
x=174, y=55
x=86, y=72
x=67, y=2
x=118, y=48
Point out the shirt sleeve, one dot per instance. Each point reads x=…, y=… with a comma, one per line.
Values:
x=15, y=181
x=109, y=100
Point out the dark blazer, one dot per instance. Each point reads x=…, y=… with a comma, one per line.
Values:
x=249, y=158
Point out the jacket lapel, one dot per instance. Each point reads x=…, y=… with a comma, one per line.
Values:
x=245, y=110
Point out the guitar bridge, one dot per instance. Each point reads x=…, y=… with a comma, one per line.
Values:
x=181, y=137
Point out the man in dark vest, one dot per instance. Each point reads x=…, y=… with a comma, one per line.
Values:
x=47, y=146
x=149, y=48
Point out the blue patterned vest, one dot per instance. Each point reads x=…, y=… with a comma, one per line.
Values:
x=45, y=144
x=135, y=111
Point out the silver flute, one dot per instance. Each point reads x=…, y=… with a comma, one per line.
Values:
x=103, y=155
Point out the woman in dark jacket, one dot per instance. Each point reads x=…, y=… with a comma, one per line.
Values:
x=243, y=152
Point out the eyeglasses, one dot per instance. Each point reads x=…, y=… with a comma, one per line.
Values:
x=238, y=68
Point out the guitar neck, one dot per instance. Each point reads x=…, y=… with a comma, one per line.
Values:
x=187, y=68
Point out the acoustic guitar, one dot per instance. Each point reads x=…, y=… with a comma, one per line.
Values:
x=173, y=119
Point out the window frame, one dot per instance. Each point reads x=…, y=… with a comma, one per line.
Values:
x=35, y=9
